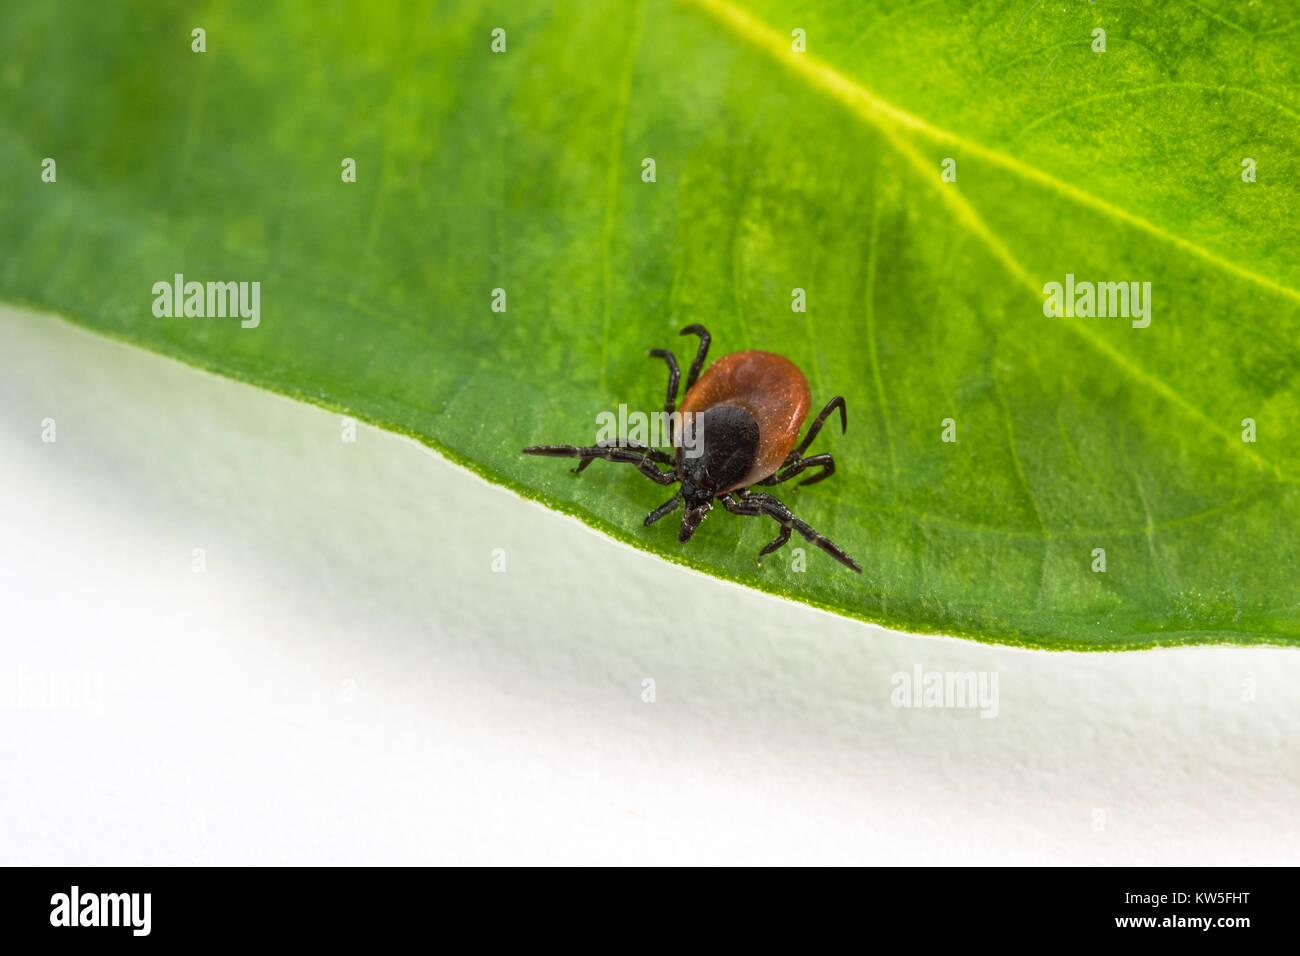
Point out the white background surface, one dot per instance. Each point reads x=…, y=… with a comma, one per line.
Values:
x=350, y=682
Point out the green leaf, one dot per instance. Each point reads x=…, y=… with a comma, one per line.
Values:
x=776, y=170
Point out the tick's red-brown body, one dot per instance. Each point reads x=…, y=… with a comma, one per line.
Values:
x=774, y=393
x=745, y=413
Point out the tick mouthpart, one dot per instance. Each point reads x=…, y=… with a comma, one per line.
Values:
x=691, y=520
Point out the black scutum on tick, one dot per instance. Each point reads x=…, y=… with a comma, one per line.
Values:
x=726, y=442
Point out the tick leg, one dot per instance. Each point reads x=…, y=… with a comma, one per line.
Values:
x=643, y=460
x=755, y=509
x=836, y=402
x=774, y=545
x=826, y=462
x=693, y=376
x=761, y=503
x=663, y=509
x=674, y=375
x=653, y=454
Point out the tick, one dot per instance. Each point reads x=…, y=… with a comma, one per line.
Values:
x=746, y=409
